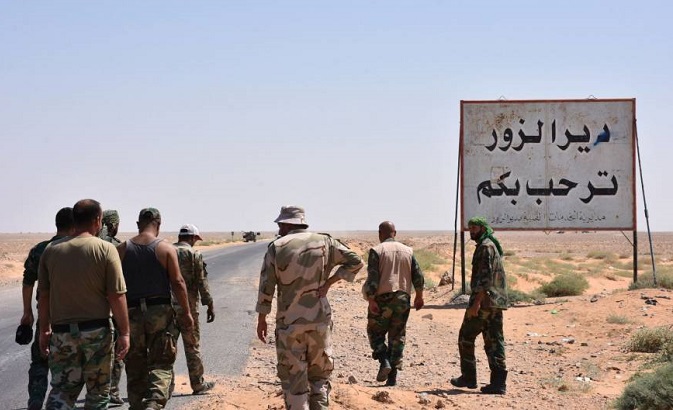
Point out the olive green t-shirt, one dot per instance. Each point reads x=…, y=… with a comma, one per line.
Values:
x=79, y=273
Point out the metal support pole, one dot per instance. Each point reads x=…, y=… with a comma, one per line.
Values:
x=462, y=262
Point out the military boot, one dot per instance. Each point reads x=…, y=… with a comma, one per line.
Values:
x=392, y=378
x=498, y=383
x=384, y=370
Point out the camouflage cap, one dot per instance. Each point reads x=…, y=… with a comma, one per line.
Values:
x=290, y=214
x=110, y=216
x=149, y=214
x=190, y=230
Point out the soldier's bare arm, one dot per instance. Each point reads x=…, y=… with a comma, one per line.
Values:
x=27, y=296
x=45, y=324
x=120, y=312
x=168, y=257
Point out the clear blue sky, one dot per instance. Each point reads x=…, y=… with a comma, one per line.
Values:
x=219, y=112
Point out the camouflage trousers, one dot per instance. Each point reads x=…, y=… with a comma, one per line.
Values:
x=192, y=344
x=149, y=362
x=38, y=373
x=489, y=323
x=394, y=308
x=77, y=358
x=305, y=364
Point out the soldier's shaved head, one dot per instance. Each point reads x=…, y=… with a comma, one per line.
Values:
x=386, y=230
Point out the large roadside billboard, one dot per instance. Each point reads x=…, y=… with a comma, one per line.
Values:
x=549, y=165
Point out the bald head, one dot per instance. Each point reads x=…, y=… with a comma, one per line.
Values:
x=386, y=230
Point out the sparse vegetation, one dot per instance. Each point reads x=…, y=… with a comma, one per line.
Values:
x=664, y=280
x=508, y=253
x=649, y=340
x=427, y=259
x=618, y=319
x=516, y=296
x=567, y=284
x=649, y=391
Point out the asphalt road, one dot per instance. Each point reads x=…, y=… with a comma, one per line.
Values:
x=233, y=276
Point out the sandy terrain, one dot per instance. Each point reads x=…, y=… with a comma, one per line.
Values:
x=561, y=354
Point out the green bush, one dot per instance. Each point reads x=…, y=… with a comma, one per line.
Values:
x=427, y=259
x=649, y=391
x=516, y=296
x=664, y=280
x=566, y=284
x=649, y=340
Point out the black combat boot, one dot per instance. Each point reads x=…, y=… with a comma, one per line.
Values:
x=498, y=383
x=384, y=370
x=392, y=378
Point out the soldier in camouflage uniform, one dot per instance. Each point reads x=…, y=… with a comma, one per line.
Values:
x=391, y=271
x=109, y=234
x=110, y=227
x=484, y=313
x=39, y=367
x=193, y=271
x=299, y=264
x=152, y=273
x=80, y=281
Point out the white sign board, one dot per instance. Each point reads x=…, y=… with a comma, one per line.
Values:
x=549, y=165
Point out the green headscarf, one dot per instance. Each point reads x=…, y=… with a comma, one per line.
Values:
x=481, y=221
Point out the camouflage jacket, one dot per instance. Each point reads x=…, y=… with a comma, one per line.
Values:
x=298, y=264
x=30, y=267
x=193, y=270
x=488, y=275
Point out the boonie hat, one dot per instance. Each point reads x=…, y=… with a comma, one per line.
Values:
x=190, y=230
x=291, y=214
x=149, y=214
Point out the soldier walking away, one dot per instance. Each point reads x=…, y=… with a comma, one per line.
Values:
x=391, y=271
x=151, y=271
x=484, y=312
x=38, y=372
x=80, y=280
x=109, y=234
x=298, y=264
x=193, y=271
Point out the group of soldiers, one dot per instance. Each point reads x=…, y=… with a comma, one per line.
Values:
x=299, y=268
x=153, y=290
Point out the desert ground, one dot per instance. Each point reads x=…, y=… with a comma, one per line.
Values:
x=566, y=352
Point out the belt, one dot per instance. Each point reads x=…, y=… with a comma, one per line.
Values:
x=149, y=302
x=86, y=325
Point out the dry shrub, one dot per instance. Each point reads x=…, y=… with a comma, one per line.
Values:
x=650, y=340
x=566, y=284
x=649, y=391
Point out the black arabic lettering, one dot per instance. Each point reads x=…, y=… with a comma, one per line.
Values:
x=551, y=190
x=586, y=137
x=601, y=191
x=525, y=139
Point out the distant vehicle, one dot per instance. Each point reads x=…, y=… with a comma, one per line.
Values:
x=250, y=236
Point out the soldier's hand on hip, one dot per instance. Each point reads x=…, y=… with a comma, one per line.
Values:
x=374, y=307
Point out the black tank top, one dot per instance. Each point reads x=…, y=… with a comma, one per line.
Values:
x=144, y=275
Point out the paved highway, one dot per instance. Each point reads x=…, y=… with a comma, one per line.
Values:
x=233, y=276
